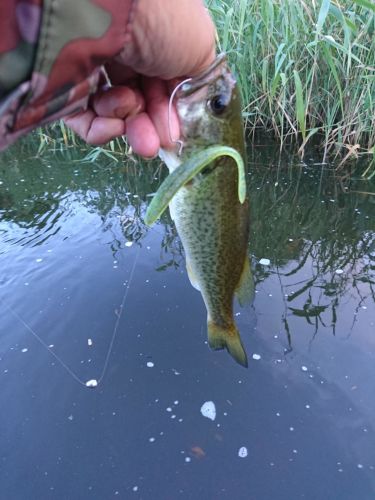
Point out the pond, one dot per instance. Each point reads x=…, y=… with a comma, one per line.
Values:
x=87, y=292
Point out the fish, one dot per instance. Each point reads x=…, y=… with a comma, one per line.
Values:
x=206, y=193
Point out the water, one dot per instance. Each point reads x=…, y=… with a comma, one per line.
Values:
x=171, y=419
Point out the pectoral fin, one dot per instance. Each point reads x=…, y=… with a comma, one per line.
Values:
x=245, y=289
x=192, y=277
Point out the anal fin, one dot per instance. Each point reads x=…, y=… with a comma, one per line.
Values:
x=245, y=288
x=192, y=277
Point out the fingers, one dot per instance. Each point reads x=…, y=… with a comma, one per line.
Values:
x=95, y=129
x=118, y=102
x=142, y=135
x=157, y=103
x=144, y=117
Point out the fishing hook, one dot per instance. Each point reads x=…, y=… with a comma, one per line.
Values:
x=175, y=141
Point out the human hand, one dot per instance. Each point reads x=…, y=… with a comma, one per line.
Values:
x=166, y=40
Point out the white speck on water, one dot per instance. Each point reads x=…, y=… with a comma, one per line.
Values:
x=173, y=416
x=89, y=342
x=364, y=307
x=150, y=364
x=180, y=419
x=238, y=314
x=304, y=368
x=151, y=439
x=169, y=408
x=339, y=271
x=25, y=349
x=307, y=406
x=38, y=260
x=257, y=356
x=187, y=459
x=51, y=345
x=291, y=429
x=175, y=402
x=135, y=488
x=26, y=284
x=359, y=466
x=129, y=244
x=277, y=414
x=208, y=410
x=70, y=417
x=295, y=451
x=92, y=383
x=264, y=262
x=242, y=452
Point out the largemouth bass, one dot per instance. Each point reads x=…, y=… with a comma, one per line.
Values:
x=211, y=220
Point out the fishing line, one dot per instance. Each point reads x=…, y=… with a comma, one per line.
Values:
x=170, y=103
x=92, y=382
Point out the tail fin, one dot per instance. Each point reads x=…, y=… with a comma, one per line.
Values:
x=229, y=338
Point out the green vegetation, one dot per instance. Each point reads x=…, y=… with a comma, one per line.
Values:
x=305, y=67
x=306, y=70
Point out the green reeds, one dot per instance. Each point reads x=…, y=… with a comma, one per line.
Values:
x=305, y=68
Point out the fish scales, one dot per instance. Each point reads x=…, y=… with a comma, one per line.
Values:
x=210, y=219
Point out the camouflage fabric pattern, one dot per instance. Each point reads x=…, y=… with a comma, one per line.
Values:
x=50, y=57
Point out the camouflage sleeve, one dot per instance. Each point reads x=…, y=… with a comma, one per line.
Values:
x=50, y=57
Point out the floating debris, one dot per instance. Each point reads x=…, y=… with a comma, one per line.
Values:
x=242, y=452
x=187, y=459
x=150, y=364
x=304, y=368
x=129, y=244
x=25, y=349
x=257, y=357
x=208, y=410
x=92, y=383
x=339, y=271
x=264, y=262
x=89, y=342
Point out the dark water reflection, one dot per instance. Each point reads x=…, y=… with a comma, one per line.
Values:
x=304, y=410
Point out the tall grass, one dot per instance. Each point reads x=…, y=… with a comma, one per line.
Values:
x=306, y=67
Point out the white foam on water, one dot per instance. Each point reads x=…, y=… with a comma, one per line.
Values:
x=208, y=410
x=264, y=262
x=92, y=383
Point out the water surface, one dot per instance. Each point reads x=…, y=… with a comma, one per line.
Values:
x=298, y=423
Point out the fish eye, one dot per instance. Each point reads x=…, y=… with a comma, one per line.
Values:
x=218, y=104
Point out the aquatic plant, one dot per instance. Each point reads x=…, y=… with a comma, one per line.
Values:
x=305, y=68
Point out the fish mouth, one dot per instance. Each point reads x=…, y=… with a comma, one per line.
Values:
x=207, y=77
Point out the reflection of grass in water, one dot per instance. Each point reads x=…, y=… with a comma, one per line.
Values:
x=289, y=223
x=309, y=225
